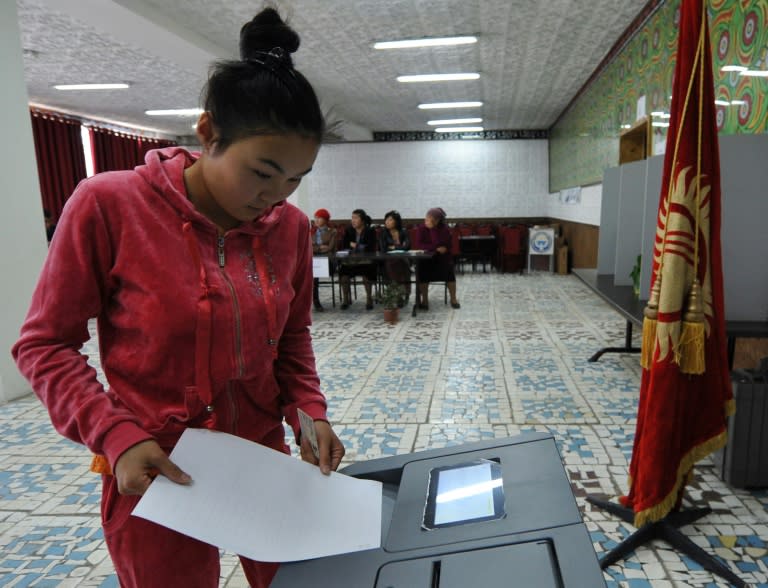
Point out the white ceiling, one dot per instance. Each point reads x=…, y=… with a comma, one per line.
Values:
x=533, y=55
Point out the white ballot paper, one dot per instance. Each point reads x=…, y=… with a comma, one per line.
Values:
x=261, y=503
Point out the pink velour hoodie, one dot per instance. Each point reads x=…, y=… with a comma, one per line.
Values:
x=194, y=330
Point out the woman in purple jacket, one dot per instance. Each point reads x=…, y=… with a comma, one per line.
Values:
x=434, y=235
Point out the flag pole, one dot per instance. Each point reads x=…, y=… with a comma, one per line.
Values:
x=685, y=389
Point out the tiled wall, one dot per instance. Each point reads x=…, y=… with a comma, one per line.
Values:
x=585, y=140
x=470, y=179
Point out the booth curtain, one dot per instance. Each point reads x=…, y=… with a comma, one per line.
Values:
x=60, y=159
x=116, y=151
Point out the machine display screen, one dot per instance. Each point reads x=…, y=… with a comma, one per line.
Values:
x=464, y=493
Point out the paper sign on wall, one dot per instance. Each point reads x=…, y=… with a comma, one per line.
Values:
x=571, y=195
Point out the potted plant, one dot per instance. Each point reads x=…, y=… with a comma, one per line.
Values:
x=635, y=275
x=391, y=295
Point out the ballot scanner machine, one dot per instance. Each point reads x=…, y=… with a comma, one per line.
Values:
x=496, y=514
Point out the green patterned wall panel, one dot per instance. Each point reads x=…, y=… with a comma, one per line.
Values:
x=585, y=140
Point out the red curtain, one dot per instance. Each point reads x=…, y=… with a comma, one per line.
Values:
x=60, y=159
x=116, y=151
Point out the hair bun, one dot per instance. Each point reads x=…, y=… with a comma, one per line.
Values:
x=266, y=31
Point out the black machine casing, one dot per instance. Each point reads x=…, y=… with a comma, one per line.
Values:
x=540, y=543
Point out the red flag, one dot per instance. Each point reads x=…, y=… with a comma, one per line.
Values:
x=685, y=391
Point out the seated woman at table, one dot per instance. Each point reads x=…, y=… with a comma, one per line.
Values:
x=323, y=244
x=434, y=235
x=359, y=237
x=394, y=238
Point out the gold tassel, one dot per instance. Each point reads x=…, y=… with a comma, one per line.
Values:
x=100, y=465
x=650, y=314
x=690, y=352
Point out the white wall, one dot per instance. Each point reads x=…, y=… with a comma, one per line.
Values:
x=22, y=232
x=469, y=178
x=587, y=211
x=354, y=132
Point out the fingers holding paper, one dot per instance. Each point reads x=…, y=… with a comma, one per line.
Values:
x=330, y=448
x=137, y=467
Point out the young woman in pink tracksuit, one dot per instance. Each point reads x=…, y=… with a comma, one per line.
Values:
x=200, y=277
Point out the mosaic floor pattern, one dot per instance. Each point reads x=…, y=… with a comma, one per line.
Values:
x=513, y=359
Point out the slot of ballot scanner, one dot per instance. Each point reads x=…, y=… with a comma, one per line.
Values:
x=527, y=564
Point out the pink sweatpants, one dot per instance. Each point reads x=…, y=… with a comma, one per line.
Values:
x=148, y=555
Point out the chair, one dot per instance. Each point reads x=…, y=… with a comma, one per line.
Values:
x=413, y=231
x=470, y=250
x=329, y=281
x=485, y=249
x=511, y=250
x=455, y=246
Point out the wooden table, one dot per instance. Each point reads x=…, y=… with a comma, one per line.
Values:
x=379, y=257
x=624, y=301
x=477, y=247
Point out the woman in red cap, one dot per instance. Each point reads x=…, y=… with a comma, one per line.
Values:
x=323, y=243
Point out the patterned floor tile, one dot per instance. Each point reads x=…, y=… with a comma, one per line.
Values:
x=512, y=360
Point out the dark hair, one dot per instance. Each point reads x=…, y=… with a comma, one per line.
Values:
x=262, y=93
x=398, y=219
x=361, y=213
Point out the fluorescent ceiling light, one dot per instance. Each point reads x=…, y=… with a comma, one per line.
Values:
x=434, y=42
x=471, y=136
x=660, y=114
x=175, y=112
x=659, y=124
x=91, y=86
x=722, y=103
x=459, y=129
x=733, y=68
x=738, y=102
x=439, y=77
x=755, y=73
x=449, y=105
x=454, y=121
x=626, y=126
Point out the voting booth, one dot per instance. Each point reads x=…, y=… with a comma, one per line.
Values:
x=497, y=513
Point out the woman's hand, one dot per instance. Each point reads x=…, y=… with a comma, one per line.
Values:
x=442, y=249
x=329, y=446
x=137, y=467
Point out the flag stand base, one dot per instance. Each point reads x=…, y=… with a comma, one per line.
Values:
x=667, y=530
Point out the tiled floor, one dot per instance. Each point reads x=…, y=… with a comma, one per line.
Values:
x=512, y=359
